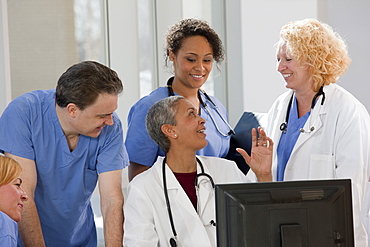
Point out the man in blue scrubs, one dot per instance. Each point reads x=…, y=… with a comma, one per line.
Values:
x=67, y=139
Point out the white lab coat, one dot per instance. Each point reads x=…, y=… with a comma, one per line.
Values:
x=146, y=217
x=337, y=147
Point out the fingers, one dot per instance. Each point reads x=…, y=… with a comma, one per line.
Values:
x=244, y=154
x=262, y=137
x=262, y=140
x=254, y=138
x=270, y=143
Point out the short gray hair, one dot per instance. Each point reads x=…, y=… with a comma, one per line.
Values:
x=162, y=112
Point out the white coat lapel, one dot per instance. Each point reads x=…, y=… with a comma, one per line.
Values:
x=175, y=192
x=312, y=125
x=206, y=198
x=205, y=191
x=314, y=122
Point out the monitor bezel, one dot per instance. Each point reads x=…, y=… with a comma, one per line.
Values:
x=221, y=189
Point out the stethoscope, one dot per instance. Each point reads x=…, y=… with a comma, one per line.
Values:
x=284, y=126
x=173, y=240
x=231, y=132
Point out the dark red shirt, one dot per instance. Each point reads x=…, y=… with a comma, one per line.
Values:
x=186, y=180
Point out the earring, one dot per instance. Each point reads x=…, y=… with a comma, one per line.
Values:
x=175, y=135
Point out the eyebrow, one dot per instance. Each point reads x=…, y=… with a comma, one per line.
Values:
x=104, y=115
x=195, y=54
x=192, y=109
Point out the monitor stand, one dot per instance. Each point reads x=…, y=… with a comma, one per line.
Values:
x=291, y=235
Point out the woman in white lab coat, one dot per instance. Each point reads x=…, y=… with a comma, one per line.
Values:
x=173, y=203
x=321, y=130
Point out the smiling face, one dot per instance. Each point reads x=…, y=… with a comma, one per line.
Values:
x=12, y=198
x=297, y=77
x=193, y=62
x=94, y=118
x=190, y=126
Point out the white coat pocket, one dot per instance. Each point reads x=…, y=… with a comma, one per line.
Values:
x=321, y=166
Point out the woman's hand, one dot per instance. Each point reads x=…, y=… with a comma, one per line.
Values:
x=260, y=160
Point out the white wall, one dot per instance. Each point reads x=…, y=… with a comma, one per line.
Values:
x=352, y=20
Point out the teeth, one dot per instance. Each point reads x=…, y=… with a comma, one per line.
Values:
x=200, y=131
x=197, y=76
x=287, y=75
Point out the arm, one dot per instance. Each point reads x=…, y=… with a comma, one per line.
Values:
x=260, y=160
x=134, y=169
x=29, y=226
x=111, y=203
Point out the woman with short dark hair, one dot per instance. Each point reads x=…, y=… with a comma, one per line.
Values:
x=174, y=201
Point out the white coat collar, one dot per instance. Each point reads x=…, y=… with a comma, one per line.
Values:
x=205, y=189
x=181, y=206
x=314, y=120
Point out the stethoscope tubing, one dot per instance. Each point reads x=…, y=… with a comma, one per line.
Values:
x=284, y=126
x=173, y=241
x=167, y=199
x=231, y=132
x=205, y=107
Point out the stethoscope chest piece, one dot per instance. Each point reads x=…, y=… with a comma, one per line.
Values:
x=173, y=242
x=283, y=127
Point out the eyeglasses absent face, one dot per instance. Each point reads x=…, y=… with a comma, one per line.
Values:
x=12, y=198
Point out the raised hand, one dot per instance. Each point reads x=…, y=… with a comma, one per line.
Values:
x=260, y=160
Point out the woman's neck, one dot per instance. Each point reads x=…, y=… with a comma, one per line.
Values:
x=190, y=94
x=181, y=162
x=304, y=102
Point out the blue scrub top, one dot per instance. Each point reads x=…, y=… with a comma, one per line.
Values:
x=143, y=150
x=8, y=231
x=30, y=128
x=288, y=139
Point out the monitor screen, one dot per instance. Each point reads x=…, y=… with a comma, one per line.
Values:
x=286, y=214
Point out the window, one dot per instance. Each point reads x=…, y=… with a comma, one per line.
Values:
x=47, y=37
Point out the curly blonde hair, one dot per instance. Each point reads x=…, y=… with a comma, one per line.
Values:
x=315, y=44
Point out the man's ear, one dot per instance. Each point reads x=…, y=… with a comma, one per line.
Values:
x=169, y=131
x=72, y=109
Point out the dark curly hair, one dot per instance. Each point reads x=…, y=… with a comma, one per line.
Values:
x=186, y=28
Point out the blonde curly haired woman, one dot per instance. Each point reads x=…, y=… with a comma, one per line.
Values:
x=11, y=200
x=320, y=130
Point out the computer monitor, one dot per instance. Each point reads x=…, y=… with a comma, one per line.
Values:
x=287, y=214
